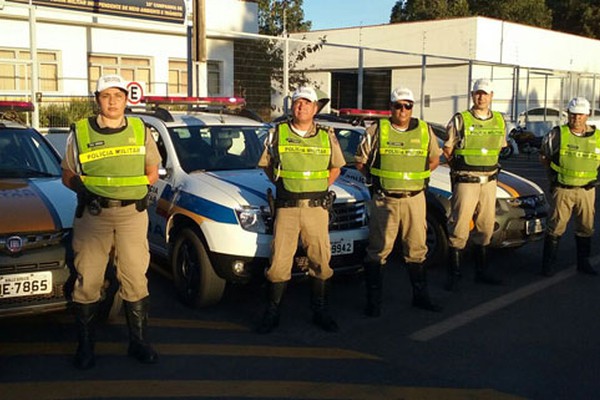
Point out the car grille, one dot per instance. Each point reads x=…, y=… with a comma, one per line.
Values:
x=347, y=216
x=32, y=241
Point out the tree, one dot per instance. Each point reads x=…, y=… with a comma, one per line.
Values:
x=271, y=13
x=418, y=10
x=529, y=12
x=579, y=17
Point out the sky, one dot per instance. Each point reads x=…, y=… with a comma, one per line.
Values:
x=327, y=14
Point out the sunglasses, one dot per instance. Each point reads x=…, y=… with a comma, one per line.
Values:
x=402, y=106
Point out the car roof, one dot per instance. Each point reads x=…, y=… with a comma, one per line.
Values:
x=199, y=118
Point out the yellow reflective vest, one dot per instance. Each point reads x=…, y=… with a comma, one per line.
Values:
x=303, y=162
x=578, y=159
x=403, y=163
x=113, y=164
x=482, y=143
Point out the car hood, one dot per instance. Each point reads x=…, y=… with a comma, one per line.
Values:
x=509, y=185
x=249, y=188
x=35, y=205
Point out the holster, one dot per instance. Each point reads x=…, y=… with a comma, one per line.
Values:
x=142, y=204
x=89, y=200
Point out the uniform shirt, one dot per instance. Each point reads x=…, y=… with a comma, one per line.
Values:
x=456, y=129
x=70, y=161
x=369, y=146
x=270, y=153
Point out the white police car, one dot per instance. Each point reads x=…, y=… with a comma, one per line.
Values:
x=209, y=214
x=521, y=206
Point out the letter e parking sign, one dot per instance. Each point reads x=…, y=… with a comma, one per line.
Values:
x=136, y=92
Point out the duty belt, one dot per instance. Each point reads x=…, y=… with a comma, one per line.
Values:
x=482, y=179
x=298, y=203
x=111, y=203
x=398, y=195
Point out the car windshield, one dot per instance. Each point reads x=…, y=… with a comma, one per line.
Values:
x=214, y=148
x=349, y=140
x=25, y=154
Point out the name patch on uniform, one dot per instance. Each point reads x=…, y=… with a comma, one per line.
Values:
x=96, y=144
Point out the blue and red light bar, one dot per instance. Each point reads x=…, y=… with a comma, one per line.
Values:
x=358, y=112
x=16, y=106
x=200, y=101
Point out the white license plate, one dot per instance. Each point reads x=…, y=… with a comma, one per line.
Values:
x=29, y=284
x=535, y=226
x=342, y=247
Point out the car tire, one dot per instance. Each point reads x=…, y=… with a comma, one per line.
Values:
x=195, y=279
x=437, y=239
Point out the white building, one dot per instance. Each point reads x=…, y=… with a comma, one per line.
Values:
x=439, y=59
x=75, y=47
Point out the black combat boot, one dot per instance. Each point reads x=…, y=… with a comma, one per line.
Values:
x=318, y=304
x=418, y=280
x=549, y=255
x=482, y=274
x=584, y=248
x=136, y=314
x=374, y=286
x=270, y=319
x=453, y=268
x=85, y=319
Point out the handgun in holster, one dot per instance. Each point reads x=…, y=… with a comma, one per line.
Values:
x=89, y=200
x=328, y=200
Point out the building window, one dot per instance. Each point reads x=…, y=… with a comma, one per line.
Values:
x=178, y=77
x=130, y=68
x=15, y=76
x=213, y=71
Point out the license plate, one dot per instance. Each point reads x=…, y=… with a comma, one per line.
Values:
x=535, y=226
x=29, y=284
x=342, y=247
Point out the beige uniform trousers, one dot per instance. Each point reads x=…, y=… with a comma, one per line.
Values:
x=472, y=201
x=569, y=201
x=311, y=225
x=94, y=236
x=390, y=216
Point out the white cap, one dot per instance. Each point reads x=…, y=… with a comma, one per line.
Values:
x=402, y=93
x=579, y=105
x=485, y=85
x=111, y=81
x=305, y=92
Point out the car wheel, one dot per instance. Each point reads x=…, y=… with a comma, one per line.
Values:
x=196, y=281
x=437, y=239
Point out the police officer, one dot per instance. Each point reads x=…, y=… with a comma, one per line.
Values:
x=571, y=154
x=110, y=160
x=475, y=138
x=302, y=159
x=397, y=156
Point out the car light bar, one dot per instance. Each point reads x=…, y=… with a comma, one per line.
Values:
x=16, y=106
x=357, y=112
x=199, y=101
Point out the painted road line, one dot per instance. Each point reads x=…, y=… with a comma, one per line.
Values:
x=198, y=389
x=459, y=320
x=189, y=349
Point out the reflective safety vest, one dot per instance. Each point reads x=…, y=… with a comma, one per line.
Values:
x=482, y=143
x=304, y=162
x=113, y=165
x=578, y=159
x=403, y=163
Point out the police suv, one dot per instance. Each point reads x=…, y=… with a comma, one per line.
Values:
x=209, y=212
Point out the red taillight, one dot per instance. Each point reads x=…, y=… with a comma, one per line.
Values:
x=199, y=101
x=16, y=106
x=358, y=112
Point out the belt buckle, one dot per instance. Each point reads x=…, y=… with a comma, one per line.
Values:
x=110, y=203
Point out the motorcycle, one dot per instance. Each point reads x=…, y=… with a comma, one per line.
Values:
x=521, y=141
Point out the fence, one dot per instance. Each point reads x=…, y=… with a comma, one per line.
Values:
x=351, y=76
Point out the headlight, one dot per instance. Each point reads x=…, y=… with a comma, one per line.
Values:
x=254, y=219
